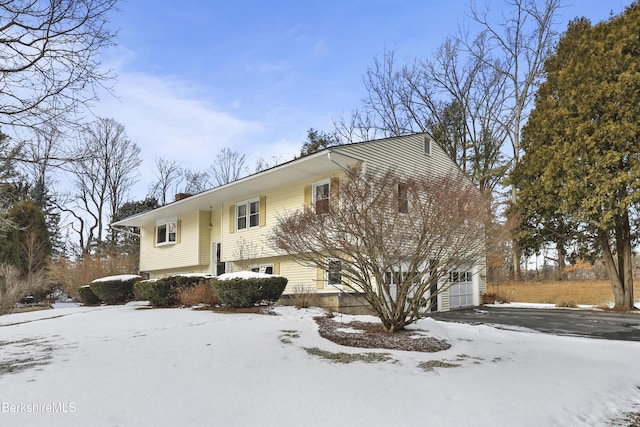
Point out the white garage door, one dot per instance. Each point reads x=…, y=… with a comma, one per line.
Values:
x=461, y=290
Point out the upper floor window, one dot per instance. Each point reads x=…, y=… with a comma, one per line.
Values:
x=166, y=231
x=248, y=214
x=403, y=197
x=427, y=146
x=321, y=197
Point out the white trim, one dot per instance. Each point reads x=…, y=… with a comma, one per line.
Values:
x=170, y=228
x=314, y=188
x=248, y=215
x=327, y=284
x=427, y=146
x=261, y=268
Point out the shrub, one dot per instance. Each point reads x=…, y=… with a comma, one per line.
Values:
x=302, y=297
x=247, y=292
x=165, y=292
x=72, y=274
x=87, y=297
x=201, y=293
x=114, y=291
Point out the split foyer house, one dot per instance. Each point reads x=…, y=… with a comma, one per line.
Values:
x=226, y=229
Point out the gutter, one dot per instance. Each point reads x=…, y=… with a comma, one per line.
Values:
x=124, y=230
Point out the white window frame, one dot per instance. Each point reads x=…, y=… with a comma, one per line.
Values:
x=427, y=146
x=169, y=229
x=262, y=268
x=314, y=195
x=327, y=273
x=247, y=205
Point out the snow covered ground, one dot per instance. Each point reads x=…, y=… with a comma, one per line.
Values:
x=126, y=366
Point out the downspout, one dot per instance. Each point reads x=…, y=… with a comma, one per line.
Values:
x=341, y=166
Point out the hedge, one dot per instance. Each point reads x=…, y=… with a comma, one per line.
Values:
x=114, y=291
x=242, y=293
x=87, y=296
x=165, y=292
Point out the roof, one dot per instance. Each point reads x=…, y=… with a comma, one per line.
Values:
x=321, y=163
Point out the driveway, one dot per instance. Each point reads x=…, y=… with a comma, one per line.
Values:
x=582, y=323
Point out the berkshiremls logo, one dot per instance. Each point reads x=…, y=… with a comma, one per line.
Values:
x=33, y=407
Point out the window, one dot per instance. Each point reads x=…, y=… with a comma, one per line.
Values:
x=248, y=214
x=166, y=231
x=403, y=197
x=427, y=146
x=266, y=269
x=321, y=197
x=334, y=272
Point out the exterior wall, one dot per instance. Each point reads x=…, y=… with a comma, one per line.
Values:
x=186, y=253
x=406, y=154
x=253, y=243
x=241, y=249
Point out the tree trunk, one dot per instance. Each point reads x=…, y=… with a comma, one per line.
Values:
x=627, y=262
x=620, y=275
x=562, y=253
x=517, y=255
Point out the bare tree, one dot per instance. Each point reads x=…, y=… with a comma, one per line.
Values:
x=227, y=167
x=103, y=178
x=518, y=45
x=195, y=181
x=456, y=97
x=14, y=286
x=168, y=177
x=49, y=57
x=262, y=164
x=393, y=237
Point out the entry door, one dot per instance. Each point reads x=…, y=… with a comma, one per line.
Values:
x=217, y=267
x=461, y=289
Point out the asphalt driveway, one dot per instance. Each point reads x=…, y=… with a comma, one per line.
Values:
x=583, y=323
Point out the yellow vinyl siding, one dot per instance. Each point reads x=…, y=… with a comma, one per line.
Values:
x=185, y=252
x=405, y=154
x=199, y=229
x=203, y=236
x=255, y=240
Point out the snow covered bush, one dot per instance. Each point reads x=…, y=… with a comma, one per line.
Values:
x=165, y=292
x=114, y=289
x=242, y=292
x=87, y=296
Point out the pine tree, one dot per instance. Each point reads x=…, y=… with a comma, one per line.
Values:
x=582, y=141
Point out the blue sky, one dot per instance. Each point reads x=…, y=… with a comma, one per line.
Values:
x=197, y=76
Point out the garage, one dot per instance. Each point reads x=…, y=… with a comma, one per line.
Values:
x=461, y=289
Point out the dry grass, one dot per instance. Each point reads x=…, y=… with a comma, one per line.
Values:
x=588, y=292
x=199, y=294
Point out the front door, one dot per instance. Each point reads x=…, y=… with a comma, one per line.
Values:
x=217, y=267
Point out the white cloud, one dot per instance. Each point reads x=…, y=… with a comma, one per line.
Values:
x=166, y=119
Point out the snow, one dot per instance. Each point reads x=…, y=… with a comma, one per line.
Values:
x=129, y=365
x=244, y=275
x=120, y=277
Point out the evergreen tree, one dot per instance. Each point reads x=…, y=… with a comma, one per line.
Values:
x=26, y=245
x=582, y=142
x=318, y=140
